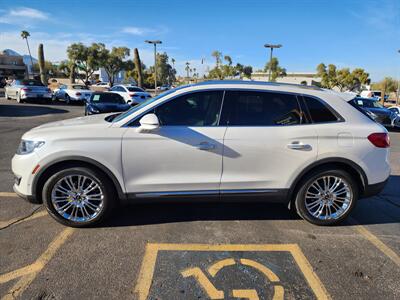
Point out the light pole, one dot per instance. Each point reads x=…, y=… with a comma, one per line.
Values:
x=155, y=61
x=272, y=47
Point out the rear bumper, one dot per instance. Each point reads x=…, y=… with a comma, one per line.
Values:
x=374, y=189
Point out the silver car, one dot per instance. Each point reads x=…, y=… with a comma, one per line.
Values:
x=25, y=89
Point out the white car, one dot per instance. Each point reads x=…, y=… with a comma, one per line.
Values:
x=302, y=146
x=72, y=92
x=131, y=94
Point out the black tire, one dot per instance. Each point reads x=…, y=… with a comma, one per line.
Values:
x=6, y=96
x=103, y=182
x=305, y=184
x=54, y=99
x=67, y=99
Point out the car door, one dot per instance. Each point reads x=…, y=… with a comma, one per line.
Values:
x=184, y=156
x=273, y=142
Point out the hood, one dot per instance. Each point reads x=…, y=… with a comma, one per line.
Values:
x=80, y=121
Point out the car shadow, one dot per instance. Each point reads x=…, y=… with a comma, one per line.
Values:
x=9, y=110
x=381, y=209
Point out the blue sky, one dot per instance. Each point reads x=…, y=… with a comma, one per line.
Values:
x=352, y=33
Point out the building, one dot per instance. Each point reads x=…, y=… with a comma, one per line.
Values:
x=12, y=66
x=101, y=75
x=308, y=78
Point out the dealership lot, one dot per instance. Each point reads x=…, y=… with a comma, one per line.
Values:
x=192, y=251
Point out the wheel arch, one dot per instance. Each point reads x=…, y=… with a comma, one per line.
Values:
x=72, y=161
x=337, y=162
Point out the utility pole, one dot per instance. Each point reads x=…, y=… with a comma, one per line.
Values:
x=155, y=62
x=272, y=47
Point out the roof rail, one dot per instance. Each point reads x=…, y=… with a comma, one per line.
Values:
x=264, y=83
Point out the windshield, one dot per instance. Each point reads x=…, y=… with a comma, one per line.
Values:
x=368, y=103
x=141, y=105
x=134, y=89
x=79, y=87
x=107, y=98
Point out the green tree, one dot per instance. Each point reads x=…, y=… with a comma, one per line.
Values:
x=51, y=70
x=138, y=67
x=217, y=55
x=386, y=86
x=24, y=36
x=165, y=73
x=41, y=63
x=114, y=61
x=342, y=79
x=276, y=70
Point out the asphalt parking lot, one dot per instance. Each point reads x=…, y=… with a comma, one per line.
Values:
x=192, y=251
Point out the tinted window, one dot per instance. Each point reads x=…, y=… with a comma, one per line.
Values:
x=194, y=109
x=260, y=109
x=134, y=89
x=31, y=82
x=107, y=98
x=79, y=87
x=319, y=112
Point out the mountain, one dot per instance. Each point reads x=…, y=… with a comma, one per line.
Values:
x=26, y=58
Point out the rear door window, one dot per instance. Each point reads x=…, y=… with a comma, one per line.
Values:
x=253, y=108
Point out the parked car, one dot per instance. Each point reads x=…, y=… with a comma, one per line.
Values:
x=376, y=95
x=375, y=110
x=72, y=93
x=105, y=102
x=102, y=84
x=26, y=89
x=396, y=110
x=304, y=147
x=164, y=87
x=132, y=94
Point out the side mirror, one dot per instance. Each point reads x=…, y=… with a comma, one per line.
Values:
x=148, y=123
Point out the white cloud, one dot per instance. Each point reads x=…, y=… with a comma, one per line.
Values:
x=135, y=30
x=28, y=13
x=23, y=15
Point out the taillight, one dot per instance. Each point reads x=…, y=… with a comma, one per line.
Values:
x=380, y=140
x=131, y=94
x=25, y=89
x=78, y=94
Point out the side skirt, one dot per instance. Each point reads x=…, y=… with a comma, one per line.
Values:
x=246, y=195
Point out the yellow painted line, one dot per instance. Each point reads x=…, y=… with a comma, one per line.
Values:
x=205, y=283
x=263, y=269
x=6, y=194
x=143, y=285
x=278, y=292
x=30, y=272
x=376, y=241
x=214, y=269
x=245, y=294
x=14, y=221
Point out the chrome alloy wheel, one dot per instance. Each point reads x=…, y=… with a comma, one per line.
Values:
x=77, y=198
x=328, y=197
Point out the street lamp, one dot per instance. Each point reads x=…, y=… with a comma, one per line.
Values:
x=155, y=61
x=272, y=47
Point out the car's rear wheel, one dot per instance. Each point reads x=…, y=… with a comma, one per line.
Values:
x=326, y=197
x=19, y=100
x=78, y=197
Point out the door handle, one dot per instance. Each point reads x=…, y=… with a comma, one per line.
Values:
x=299, y=146
x=205, y=146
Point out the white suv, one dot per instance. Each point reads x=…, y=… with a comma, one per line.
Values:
x=302, y=146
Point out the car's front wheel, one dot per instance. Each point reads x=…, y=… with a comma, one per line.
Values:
x=78, y=196
x=326, y=197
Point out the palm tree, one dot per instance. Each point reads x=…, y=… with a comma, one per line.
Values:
x=217, y=56
x=25, y=35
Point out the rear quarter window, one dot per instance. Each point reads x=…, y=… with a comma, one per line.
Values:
x=319, y=111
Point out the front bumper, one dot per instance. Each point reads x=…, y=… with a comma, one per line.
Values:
x=30, y=199
x=22, y=167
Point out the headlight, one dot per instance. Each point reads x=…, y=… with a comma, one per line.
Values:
x=93, y=109
x=26, y=147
